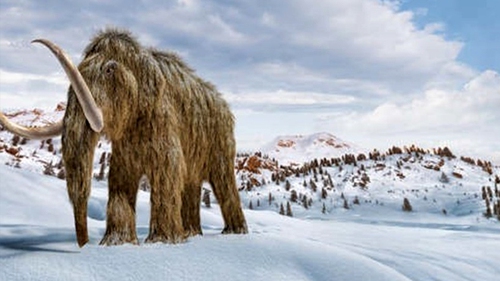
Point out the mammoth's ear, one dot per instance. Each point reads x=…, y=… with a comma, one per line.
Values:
x=110, y=68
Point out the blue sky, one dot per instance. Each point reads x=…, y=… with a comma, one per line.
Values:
x=476, y=23
x=376, y=73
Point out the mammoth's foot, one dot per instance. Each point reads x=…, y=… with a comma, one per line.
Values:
x=120, y=215
x=242, y=229
x=193, y=231
x=119, y=238
x=171, y=237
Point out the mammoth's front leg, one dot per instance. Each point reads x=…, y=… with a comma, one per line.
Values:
x=123, y=184
x=167, y=181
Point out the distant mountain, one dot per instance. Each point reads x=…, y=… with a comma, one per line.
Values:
x=301, y=148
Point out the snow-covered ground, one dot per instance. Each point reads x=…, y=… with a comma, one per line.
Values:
x=445, y=237
x=37, y=243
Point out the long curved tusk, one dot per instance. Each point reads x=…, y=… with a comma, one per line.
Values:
x=90, y=109
x=45, y=132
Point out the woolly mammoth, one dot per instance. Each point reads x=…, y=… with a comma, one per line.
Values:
x=163, y=121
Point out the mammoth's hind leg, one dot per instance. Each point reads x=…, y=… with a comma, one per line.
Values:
x=223, y=184
x=120, y=216
x=191, y=198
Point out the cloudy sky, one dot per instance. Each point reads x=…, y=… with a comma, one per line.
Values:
x=375, y=73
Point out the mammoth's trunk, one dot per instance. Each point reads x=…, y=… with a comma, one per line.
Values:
x=78, y=145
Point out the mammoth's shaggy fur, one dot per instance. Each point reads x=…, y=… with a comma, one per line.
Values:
x=164, y=122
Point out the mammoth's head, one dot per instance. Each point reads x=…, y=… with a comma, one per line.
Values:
x=104, y=84
x=111, y=68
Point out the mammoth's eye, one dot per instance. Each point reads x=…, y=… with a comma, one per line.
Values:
x=110, y=67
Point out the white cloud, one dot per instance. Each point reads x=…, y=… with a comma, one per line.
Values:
x=363, y=66
x=225, y=32
x=285, y=70
x=468, y=117
x=371, y=33
x=363, y=40
x=315, y=47
x=7, y=77
x=434, y=27
x=476, y=103
x=284, y=98
x=194, y=19
x=451, y=76
x=22, y=90
x=268, y=19
x=191, y=4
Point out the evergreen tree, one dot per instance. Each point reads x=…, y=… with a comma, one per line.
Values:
x=282, y=209
x=488, y=213
x=444, y=178
x=346, y=205
x=289, y=209
x=406, y=205
x=102, y=169
x=305, y=202
x=102, y=158
x=330, y=181
x=293, y=196
x=324, y=193
x=16, y=139
x=313, y=185
x=49, y=169
x=206, y=197
x=490, y=193
x=498, y=209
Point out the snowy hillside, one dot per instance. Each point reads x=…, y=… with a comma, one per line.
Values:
x=344, y=205
x=375, y=187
